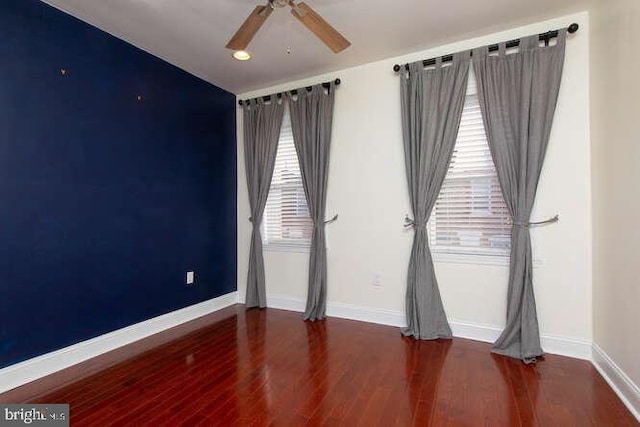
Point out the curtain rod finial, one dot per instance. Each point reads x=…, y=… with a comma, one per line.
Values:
x=396, y=68
x=573, y=28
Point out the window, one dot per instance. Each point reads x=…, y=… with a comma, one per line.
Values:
x=470, y=216
x=286, y=222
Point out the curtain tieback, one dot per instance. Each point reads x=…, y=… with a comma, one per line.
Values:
x=529, y=224
x=334, y=219
x=411, y=223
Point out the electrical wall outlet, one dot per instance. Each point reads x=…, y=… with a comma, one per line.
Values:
x=190, y=277
x=376, y=282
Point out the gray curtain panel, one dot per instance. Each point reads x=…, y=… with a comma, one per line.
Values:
x=261, y=123
x=432, y=102
x=518, y=94
x=311, y=122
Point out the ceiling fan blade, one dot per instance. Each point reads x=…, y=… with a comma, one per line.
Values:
x=318, y=26
x=249, y=28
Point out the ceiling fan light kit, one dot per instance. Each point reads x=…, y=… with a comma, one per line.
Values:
x=241, y=55
x=307, y=16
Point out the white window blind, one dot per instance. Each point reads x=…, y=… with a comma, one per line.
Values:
x=286, y=221
x=470, y=215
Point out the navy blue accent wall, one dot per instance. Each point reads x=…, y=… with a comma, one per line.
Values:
x=105, y=200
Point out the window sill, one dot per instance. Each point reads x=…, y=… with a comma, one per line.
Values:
x=284, y=247
x=475, y=259
x=469, y=258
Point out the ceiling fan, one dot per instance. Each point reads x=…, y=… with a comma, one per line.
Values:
x=309, y=18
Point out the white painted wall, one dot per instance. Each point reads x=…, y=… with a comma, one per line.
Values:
x=615, y=88
x=367, y=188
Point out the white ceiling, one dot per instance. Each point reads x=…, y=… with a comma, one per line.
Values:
x=192, y=33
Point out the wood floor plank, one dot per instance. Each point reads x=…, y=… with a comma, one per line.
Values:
x=270, y=368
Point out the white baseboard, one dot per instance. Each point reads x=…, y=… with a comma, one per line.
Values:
x=564, y=346
x=473, y=331
x=366, y=314
x=24, y=372
x=620, y=382
x=285, y=303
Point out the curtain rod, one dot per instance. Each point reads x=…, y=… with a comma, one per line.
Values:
x=513, y=43
x=325, y=85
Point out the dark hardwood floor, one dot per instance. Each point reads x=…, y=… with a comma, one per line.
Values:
x=269, y=367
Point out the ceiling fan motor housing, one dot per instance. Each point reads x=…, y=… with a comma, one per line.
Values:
x=278, y=3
